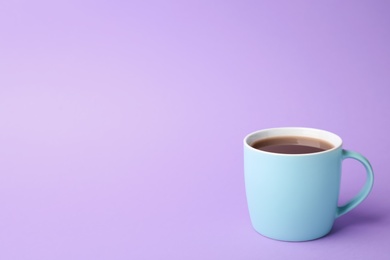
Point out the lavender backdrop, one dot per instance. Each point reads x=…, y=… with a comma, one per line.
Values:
x=121, y=123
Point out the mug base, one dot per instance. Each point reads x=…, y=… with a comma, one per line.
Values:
x=301, y=239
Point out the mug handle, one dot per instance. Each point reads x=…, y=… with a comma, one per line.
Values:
x=366, y=188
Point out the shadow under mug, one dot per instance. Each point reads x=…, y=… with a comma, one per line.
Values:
x=293, y=197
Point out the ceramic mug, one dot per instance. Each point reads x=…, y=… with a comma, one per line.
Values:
x=293, y=197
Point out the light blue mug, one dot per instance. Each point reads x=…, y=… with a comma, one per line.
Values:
x=293, y=197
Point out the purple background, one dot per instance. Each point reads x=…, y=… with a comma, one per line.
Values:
x=121, y=124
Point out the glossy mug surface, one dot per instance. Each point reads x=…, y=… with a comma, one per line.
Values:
x=293, y=197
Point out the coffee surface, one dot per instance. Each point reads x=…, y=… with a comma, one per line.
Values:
x=292, y=145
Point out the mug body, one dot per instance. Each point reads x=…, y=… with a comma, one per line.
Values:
x=292, y=197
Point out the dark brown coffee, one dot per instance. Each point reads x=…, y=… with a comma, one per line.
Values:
x=292, y=145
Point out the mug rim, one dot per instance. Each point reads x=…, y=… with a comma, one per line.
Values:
x=333, y=138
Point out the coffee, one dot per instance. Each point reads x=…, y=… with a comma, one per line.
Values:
x=292, y=145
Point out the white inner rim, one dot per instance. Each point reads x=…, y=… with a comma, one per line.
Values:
x=329, y=137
